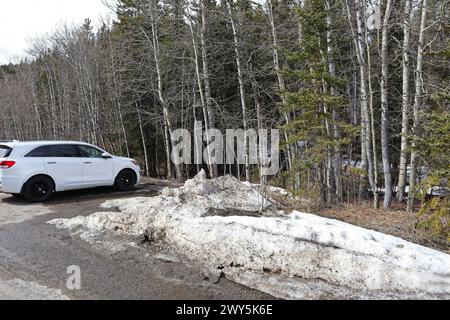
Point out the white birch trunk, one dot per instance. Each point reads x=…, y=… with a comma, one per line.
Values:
x=385, y=109
x=281, y=82
x=336, y=132
x=144, y=145
x=209, y=114
x=241, y=89
x=372, y=116
x=162, y=99
x=366, y=130
x=417, y=103
x=405, y=103
x=202, y=96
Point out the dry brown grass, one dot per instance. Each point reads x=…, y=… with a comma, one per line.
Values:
x=160, y=182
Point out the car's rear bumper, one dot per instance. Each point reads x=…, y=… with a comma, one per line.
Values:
x=10, y=184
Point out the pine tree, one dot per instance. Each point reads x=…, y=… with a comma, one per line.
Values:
x=313, y=102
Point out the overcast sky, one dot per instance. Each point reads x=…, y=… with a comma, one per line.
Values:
x=22, y=20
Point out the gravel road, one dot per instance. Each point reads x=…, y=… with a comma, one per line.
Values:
x=35, y=256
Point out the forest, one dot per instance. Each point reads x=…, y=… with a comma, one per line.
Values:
x=359, y=90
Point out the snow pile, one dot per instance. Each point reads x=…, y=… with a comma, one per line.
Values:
x=295, y=288
x=197, y=199
x=225, y=224
x=270, y=189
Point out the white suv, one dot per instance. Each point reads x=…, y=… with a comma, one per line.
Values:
x=38, y=169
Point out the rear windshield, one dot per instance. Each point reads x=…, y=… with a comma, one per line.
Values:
x=5, y=151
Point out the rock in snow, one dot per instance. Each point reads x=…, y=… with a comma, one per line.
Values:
x=228, y=224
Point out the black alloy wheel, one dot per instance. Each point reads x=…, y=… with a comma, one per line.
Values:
x=38, y=189
x=126, y=180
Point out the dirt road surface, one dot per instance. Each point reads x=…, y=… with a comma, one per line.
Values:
x=35, y=257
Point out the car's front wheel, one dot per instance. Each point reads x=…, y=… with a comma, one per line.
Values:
x=38, y=189
x=126, y=180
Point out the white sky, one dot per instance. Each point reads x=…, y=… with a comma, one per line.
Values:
x=22, y=20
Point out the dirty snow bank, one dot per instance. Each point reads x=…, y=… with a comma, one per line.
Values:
x=218, y=222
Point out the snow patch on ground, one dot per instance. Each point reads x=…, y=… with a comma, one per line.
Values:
x=269, y=189
x=227, y=224
x=18, y=289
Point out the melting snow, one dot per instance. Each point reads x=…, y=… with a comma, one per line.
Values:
x=227, y=224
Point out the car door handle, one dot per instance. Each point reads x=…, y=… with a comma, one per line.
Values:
x=51, y=162
x=88, y=163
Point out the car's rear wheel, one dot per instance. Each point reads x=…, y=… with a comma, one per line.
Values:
x=126, y=180
x=38, y=189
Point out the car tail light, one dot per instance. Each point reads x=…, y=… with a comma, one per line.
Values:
x=6, y=164
x=136, y=163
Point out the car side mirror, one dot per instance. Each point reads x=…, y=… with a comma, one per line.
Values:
x=106, y=155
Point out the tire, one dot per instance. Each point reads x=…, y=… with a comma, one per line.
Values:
x=126, y=180
x=38, y=189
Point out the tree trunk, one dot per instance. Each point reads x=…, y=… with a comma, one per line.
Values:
x=144, y=145
x=385, y=109
x=278, y=71
x=405, y=103
x=212, y=168
x=241, y=88
x=337, y=158
x=162, y=99
x=209, y=114
x=417, y=104
x=117, y=99
x=366, y=130
x=372, y=117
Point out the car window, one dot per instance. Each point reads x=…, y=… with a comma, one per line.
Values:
x=44, y=151
x=90, y=152
x=65, y=151
x=5, y=151
x=57, y=151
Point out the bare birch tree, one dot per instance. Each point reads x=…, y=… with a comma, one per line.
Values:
x=417, y=102
x=385, y=108
x=242, y=92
